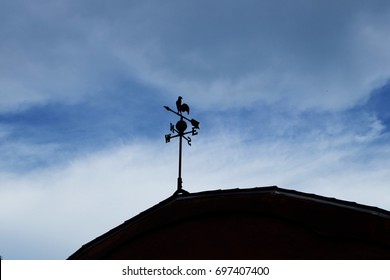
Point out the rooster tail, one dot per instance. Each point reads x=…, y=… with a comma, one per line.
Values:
x=185, y=108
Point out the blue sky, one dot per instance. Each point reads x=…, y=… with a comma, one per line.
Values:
x=288, y=93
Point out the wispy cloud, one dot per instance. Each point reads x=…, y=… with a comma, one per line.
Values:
x=80, y=200
x=322, y=56
x=307, y=55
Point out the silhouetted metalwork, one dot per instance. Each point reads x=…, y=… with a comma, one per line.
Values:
x=180, y=130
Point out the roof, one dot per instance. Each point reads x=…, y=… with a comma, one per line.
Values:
x=270, y=212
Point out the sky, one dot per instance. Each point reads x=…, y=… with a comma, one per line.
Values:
x=288, y=93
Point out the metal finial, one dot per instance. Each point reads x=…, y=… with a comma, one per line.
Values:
x=180, y=130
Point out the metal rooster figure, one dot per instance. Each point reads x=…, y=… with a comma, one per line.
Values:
x=180, y=130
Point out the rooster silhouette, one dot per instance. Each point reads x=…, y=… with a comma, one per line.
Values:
x=182, y=107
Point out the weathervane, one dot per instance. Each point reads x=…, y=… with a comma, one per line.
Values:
x=180, y=129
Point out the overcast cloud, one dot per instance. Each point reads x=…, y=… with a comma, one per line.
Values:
x=288, y=93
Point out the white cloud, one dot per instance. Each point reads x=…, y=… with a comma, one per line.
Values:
x=73, y=203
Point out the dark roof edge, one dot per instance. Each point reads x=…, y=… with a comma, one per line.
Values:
x=268, y=189
x=308, y=196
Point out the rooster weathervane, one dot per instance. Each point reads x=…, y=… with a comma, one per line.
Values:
x=180, y=130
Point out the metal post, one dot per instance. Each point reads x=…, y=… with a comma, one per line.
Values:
x=179, y=179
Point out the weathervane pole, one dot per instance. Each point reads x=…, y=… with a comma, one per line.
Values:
x=179, y=179
x=180, y=129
